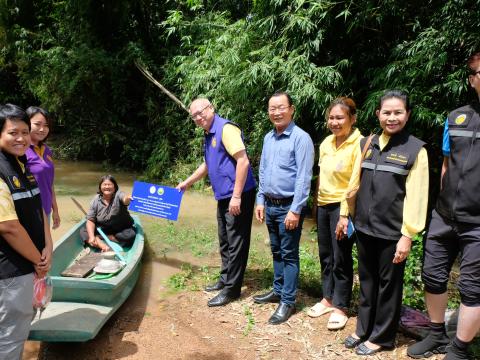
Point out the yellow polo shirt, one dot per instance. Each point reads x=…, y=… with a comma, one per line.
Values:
x=416, y=196
x=7, y=207
x=336, y=167
x=232, y=139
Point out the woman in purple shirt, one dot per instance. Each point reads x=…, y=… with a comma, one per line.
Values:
x=40, y=162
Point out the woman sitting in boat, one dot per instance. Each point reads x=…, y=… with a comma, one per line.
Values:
x=108, y=211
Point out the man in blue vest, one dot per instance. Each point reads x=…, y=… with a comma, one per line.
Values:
x=284, y=185
x=233, y=183
x=454, y=229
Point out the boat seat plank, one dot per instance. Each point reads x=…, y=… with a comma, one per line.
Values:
x=68, y=321
x=82, y=267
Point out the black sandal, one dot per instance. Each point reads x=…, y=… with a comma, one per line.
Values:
x=363, y=349
x=351, y=342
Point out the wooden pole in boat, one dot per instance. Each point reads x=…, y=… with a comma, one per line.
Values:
x=150, y=77
x=78, y=205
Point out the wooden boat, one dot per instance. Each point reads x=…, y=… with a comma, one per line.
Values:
x=81, y=306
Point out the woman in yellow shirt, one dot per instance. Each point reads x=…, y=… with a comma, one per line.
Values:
x=338, y=154
x=391, y=207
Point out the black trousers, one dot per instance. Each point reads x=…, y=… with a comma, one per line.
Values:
x=381, y=286
x=234, y=238
x=335, y=257
x=124, y=237
x=444, y=241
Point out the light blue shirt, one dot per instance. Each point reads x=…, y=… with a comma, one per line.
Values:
x=446, y=141
x=286, y=167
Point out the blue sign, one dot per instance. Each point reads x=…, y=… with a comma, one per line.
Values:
x=156, y=200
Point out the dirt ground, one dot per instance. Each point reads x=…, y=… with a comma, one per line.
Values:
x=153, y=324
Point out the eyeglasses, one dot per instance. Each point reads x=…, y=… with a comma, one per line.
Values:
x=200, y=112
x=280, y=109
x=475, y=73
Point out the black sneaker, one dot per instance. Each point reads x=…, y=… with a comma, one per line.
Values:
x=454, y=353
x=433, y=344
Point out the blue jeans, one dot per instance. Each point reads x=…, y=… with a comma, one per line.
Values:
x=284, y=244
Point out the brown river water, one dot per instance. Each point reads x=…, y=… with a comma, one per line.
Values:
x=80, y=180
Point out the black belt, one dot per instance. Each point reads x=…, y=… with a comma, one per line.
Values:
x=281, y=201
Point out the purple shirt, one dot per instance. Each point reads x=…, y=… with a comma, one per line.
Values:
x=42, y=169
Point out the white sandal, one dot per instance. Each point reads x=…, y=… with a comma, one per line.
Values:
x=319, y=309
x=337, y=321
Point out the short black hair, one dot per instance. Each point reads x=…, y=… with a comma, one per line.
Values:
x=109, y=178
x=399, y=94
x=12, y=112
x=280, y=93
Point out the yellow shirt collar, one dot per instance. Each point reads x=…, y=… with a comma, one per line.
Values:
x=40, y=150
x=22, y=166
x=383, y=140
x=353, y=137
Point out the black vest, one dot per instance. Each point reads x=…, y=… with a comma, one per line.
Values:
x=28, y=205
x=459, y=199
x=379, y=207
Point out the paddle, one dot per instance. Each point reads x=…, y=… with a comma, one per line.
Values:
x=113, y=245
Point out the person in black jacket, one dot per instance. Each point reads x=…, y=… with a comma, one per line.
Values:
x=391, y=208
x=454, y=229
x=25, y=242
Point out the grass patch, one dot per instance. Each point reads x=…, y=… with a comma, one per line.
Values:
x=165, y=236
x=179, y=281
x=310, y=269
x=250, y=320
x=192, y=278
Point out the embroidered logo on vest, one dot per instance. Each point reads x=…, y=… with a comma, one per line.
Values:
x=397, y=158
x=460, y=119
x=368, y=154
x=31, y=179
x=15, y=182
x=214, y=142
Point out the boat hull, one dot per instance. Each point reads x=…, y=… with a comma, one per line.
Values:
x=81, y=306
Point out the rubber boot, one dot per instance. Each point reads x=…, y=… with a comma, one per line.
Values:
x=435, y=343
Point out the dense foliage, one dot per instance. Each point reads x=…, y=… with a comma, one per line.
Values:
x=76, y=58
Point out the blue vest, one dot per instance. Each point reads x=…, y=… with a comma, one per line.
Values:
x=221, y=166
